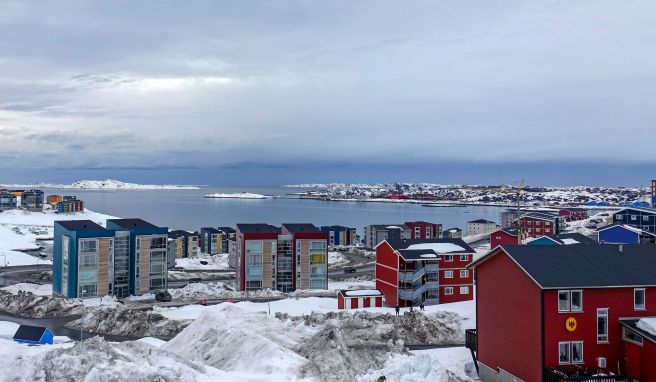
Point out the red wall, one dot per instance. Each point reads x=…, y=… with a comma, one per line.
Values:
x=620, y=304
x=502, y=238
x=648, y=371
x=436, y=229
x=387, y=277
x=340, y=301
x=536, y=227
x=456, y=281
x=508, y=318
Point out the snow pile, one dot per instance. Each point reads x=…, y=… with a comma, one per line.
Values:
x=8, y=329
x=120, y=321
x=215, y=262
x=231, y=339
x=238, y=195
x=336, y=258
x=37, y=289
x=98, y=360
x=438, y=247
x=27, y=304
x=648, y=324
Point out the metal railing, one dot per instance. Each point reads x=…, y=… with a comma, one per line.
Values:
x=432, y=267
x=412, y=276
x=550, y=375
x=471, y=339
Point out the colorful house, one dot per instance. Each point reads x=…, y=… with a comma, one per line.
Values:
x=480, y=226
x=7, y=200
x=573, y=214
x=432, y=271
x=359, y=299
x=563, y=239
x=624, y=234
x=210, y=239
x=32, y=200
x=504, y=236
x=550, y=309
x=536, y=224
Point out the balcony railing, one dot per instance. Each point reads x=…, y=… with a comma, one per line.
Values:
x=409, y=277
x=550, y=375
x=432, y=301
x=471, y=339
x=431, y=267
x=412, y=294
x=432, y=285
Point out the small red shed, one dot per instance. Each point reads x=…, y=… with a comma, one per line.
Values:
x=359, y=299
x=505, y=236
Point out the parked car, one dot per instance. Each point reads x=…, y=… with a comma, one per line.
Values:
x=163, y=296
x=350, y=270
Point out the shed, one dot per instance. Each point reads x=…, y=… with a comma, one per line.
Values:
x=624, y=234
x=34, y=335
x=359, y=299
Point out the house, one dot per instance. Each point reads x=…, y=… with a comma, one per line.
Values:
x=340, y=235
x=376, y=233
x=624, y=234
x=126, y=258
x=536, y=224
x=228, y=234
x=210, y=240
x=564, y=307
x=33, y=335
x=359, y=299
x=433, y=271
x=286, y=258
x=69, y=204
x=642, y=218
x=54, y=199
x=479, y=226
x=452, y=233
x=7, y=200
x=32, y=200
x=573, y=214
x=147, y=254
x=504, y=236
x=563, y=239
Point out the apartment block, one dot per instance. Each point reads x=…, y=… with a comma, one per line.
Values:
x=210, y=240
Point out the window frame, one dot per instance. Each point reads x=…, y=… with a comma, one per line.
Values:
x=571, y=300
x=568, y=301
x=581, y=357
x=447, y=290
x=466, y=272
x=464, y=257
x=569, y=353
x=448, y=274
x=602, y=312
x=465, y=288
x=644, y=299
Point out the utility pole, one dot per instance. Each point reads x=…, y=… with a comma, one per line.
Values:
x=519, y=186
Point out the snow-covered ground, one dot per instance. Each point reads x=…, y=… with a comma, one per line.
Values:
x=216, y=262
x=238, y=195
x=107, y=184
x=590, y=225
x=336, y=258
x=20, y=229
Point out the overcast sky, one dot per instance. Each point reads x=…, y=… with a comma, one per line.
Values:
x=270, y=92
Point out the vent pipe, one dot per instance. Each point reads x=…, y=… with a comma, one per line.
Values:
x=620, y=247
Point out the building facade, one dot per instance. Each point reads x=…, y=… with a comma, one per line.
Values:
x=536, y=224
x=573, y=214
x=210, y=239
x=376, y=233
x=32, y=200
x=624, y=234
x=228, y=234
x=291, y=257
x=432, y=271
x=504, y=236
x=359, y=299
x=69, y=204
x=641, y=218
x=340, y=235
x=480, y=226
x=564, y=307
x=7, y=200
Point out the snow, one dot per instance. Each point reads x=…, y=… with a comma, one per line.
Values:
x=568, y=241
x=428, y=255
x=336, y=258
x=37, y=289
x=215, y=262
x=438, y=247
x=107, y=184
x=363, y=292
x=238, y=195
x=648, y=324
x=8, y=329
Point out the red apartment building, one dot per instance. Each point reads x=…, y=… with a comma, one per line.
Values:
x=504, y=236
x=433, y=271
x=536, y=224
x=572, y=308
x=291, y=257
x=573, y=214
x=423, y=230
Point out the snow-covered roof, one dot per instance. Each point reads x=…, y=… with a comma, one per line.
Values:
x=437, y=247
x=568, y=241
x=361, y=292
x=648, y=324
x=428, y=255
x=628, y=228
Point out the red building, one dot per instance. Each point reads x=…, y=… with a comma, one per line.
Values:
x=565, y=307
x=536, y=224
x=422, y=230
x=433, y=271
x=359, y=299
x=573, y=214
x=504, y=236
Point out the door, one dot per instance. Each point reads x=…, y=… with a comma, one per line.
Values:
x=632, y=355
x=354, y=303
x=366, y=302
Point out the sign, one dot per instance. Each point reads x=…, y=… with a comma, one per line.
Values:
x=570, y=324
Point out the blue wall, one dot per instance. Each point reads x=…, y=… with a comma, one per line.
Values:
x=645, y=220
x=543, y=241
x=619, y=235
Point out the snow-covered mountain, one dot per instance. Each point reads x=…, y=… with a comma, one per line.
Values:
x=107, y=184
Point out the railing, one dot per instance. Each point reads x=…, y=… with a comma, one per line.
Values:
x=412, y=294
x=432, y=301
x=412, y=276
x=550, y=375
x=471, y=339
x=432, y=285
x=431, y=267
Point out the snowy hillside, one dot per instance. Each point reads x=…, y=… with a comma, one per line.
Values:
x=239, y=195
x=107, y=184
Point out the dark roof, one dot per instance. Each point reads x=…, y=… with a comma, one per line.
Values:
x=258, y=228
x=385, y=226
x=452, y=229
x=132, y=223
x=301, y=228
x=580, y=266
x=632, y=323
x=29, y=333
x=398, y=244
x=640, y=209
x=80, y=225
x=209, y=229
x=582, y=239
x=483, y=221
x=511, y=231
x=540, y=215
x=574, y=209
x=227, y=229
x=418, y=254
x=178, y=233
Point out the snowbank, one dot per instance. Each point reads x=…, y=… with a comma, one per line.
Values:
x=336, y=258
x=37, y=289
x=216, y=262
x=28, y=304
x=438, y=247
x=238, y=195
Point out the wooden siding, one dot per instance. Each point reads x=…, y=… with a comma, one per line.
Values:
x=267, y=249
x=103, y=266
x=144, y=264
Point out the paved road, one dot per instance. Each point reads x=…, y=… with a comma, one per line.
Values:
x=16, y=274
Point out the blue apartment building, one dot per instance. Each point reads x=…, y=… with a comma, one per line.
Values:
x=340, y=235
x=641, y=218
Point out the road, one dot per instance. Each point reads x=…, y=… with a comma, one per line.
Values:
x=17, y=274
x=363, y=267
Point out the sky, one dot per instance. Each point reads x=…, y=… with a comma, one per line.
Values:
x=278, y=92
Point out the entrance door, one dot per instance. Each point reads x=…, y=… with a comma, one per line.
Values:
x=632, y=355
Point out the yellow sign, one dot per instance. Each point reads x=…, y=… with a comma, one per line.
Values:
x=570, y=324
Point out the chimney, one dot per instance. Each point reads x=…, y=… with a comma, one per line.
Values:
x=620, y=248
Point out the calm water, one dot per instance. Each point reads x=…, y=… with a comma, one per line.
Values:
x=188, y=209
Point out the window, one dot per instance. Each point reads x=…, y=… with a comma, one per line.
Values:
x=428, y=233
x=618, y=217
x=464, y=290
x=633, y=217
x=253, y=272
x=448, y=257
x=645, y=218
x=464, y=257
x=417, y=232
x=157, y=256
x=570, y=352
x=158, y=242
x=639, y=299
x=448, y=291
x=464, y=273
x=547, y=224
x=570, y=301
x=157, y=269
x=89, y=261
x=602, y=325
x=448, y=274
x=317, y=246
x=317, y=259
x=89, y=246
x=253, y=259
x=254, y=246
x=630, y=336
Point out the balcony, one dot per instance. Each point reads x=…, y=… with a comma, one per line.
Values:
x=471, y=339
x=431, y=301
x=412, y=294
x=432, y=284
x=431, y=267
x=411, y=276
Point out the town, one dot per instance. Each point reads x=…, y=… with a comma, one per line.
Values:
x=551, y=294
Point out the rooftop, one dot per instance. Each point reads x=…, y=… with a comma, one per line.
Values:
x=29, y=333
x=437, y=245
x=482, y=221
x=301, y=228
x=132, y=223
x=418, y=254
x=209, y=229
x=575, y=238
x=80, y=225
x=227, y=229
x=257, y=228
